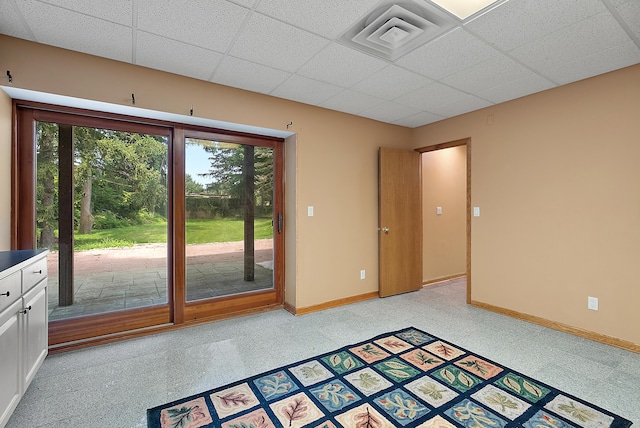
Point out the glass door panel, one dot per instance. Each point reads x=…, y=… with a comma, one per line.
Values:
x=229, y=210
x=113, y=186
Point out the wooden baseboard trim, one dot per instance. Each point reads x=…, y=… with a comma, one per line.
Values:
x=331, y=304
x=289, y=308
x=443, y=279
x=565, y=328
x=132, y=334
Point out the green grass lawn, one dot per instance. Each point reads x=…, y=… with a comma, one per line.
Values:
x=198, y=232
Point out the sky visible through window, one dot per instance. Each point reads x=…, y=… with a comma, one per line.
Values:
x=197, y=162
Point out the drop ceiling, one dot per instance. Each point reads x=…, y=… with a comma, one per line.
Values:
x=295, y=49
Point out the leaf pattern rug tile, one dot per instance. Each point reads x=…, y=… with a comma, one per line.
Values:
x=407, y=378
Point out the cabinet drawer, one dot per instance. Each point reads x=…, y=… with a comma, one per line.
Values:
x=33, y=274
x=9, y=290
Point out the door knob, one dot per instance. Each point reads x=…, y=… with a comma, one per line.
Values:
x=385, y=229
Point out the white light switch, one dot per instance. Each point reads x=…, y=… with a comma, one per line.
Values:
x=592, y=303
x=310, y=211
x=476, y=211
x=438, y=210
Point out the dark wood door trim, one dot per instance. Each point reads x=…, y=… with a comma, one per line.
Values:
x=220, y=306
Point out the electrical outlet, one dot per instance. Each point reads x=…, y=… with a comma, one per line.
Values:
x=592, y=303
x=362, y=274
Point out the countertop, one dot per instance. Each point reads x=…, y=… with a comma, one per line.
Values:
x=9, y=259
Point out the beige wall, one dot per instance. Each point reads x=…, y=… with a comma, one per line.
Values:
x=335, y=162
x=556, y=178
x=5, y=170
x=444, y=184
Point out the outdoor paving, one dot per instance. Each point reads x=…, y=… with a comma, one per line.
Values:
x=115, y=279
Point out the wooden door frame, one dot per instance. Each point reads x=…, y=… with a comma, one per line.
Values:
x=110, y=327
x=192, y=311
x=457, y=143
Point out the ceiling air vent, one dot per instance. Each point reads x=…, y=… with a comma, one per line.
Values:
x=395, y=28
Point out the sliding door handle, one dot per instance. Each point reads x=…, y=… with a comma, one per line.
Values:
x=279, y=222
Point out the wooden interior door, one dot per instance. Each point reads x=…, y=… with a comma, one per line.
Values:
x=400, y=221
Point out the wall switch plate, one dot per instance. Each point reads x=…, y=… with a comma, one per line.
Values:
x=476, y=211
x=438, y=210
x=362, y=274
x=310, y=211
x=592, y=303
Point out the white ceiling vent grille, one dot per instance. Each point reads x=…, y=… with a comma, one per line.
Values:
x=395, y=28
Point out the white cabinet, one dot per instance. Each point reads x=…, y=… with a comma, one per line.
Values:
x=10, y=392
x=23, y=324
x=34, y=330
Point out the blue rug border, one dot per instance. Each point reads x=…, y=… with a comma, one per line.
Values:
x=153, y=414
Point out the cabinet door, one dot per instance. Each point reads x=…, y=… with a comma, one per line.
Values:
x=35, y=331
x=9, y=361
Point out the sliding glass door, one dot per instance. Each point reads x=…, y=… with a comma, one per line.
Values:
x=229, y=195
x=232, y=223
x=147, y=224
x=109, y=246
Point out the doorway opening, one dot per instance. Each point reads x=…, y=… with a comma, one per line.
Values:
x=446, y=174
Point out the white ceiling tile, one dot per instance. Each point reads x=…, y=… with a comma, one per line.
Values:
x=340, y=65
x=273, y=43
x=515, y=49
x=90, y=35
x=389, y=112
x=569, y=44
x=305, y=90
x=118, y=11
x=245, y=3
x=601, y=62
x=453, y=51
x=248, y=75
x=419, y=119
x=467, y=104
x=353, y=102
x=391, y=82
x=629, y=10
x=493, y=72
x=328, y=18
x=516, y=89
x=429, y=97
x=518, y=22
x=209, y=24
x=175, y=57
x=11, y=23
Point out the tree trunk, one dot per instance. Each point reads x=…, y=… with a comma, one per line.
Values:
x=86, y=218
x=249, y=203
x=47, y=239
x=47, y=221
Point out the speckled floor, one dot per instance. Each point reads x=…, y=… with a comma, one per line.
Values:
x=113, y=385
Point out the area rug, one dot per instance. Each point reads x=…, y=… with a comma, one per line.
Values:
x=407, y=378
